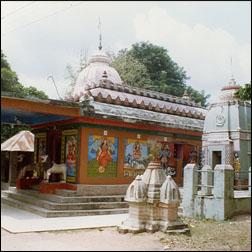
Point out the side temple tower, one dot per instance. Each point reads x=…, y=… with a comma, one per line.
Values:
x=227, y=132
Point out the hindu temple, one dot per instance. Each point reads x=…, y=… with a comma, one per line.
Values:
x=227, y=133
x=104, y=131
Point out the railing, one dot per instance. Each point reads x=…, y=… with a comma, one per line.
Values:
x=207, y=184
x=241, y=182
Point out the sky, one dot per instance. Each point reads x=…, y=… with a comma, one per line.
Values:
x=40, y=38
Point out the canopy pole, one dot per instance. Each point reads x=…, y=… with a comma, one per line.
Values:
x=13, y=168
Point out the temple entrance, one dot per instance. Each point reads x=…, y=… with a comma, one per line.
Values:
x=216, y=158
x=54, y=145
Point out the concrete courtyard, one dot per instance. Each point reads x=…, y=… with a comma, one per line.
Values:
x=22, y=231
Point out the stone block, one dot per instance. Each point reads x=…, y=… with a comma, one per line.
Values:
x=223, y=182
x=206, y=180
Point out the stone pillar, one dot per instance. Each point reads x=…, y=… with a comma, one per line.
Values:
x=189, y=189
x=223, y=182
x=13, y=168
x=206, y=180
x=223, y=192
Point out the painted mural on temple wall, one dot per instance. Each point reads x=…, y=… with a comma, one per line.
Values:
x=69, y=154
x=39, y=146
x=71, y=147
x=136, y=157
x=165, y=155
x=102, y=156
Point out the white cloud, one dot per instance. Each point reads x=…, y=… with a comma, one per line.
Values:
x=204, y=52
x=46, y=47
x=45, y=84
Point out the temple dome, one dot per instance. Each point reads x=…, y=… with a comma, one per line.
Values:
x=137, y=191
x=228, y=92
x=98, y=67
x=169, y=191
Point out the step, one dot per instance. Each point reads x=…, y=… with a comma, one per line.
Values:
x=66, y=206
x=65, y=192
x=75, y=199
x=63, y=213
x=24, y=206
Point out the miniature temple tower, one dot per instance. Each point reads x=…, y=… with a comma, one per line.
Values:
x=153, y=203
x=227, y=132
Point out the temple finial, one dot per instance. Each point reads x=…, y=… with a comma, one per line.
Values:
x=232, y=81
x=231, y=67
x=100, y=37
x=185, y=95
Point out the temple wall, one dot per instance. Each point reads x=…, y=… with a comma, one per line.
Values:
x=86, y=164
x=220, y=201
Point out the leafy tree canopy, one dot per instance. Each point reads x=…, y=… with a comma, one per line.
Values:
x=132, y=70
x=11, y=84
x=244, y=93
x=154, y=69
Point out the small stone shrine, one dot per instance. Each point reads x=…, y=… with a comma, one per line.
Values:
x=153, y=203
x=227, y=133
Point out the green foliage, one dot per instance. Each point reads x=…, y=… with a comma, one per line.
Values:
x=244, y=93
x=165, y=74
x=7, y=131
x=198, y=97
x=9, y=81
x=132, y=71
x=4, y=63
x=149, y=66
x=11, y=84
x=32, y=92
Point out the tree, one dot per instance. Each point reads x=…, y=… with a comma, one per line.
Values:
x=4, y=63
x=160, y=74
x=73, y=73
x=11, y=85
x=244, y=93
x=32, y=92
x=166, y=76
x=198, y=97
x=147, y=66
x=131, y=71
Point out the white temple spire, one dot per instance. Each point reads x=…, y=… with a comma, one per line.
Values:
x=100, y=37
x=232, y=81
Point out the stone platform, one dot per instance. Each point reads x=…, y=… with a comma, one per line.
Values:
x=64, y=203
x=15, y=220
x=52, y=187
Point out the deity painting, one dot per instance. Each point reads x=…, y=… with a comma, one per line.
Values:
x=192, y=155
x=164, y=155
x=136, y=157
x=236, y=163
x=41, y=146
x=102, y=156
x=71, y=146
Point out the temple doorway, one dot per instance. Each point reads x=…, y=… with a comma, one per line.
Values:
x=216, y=158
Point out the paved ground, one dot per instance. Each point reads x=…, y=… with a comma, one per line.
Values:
x=18, y=221
x=234, y=234
x=103, y=239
